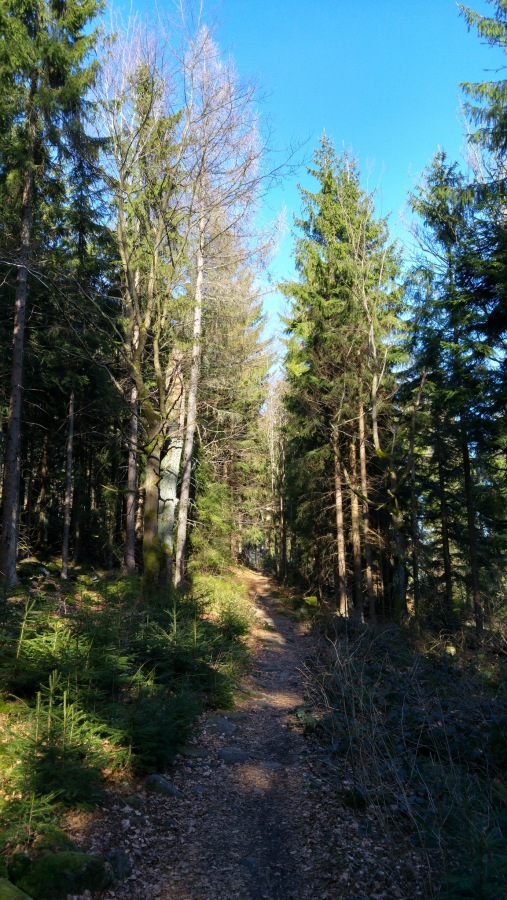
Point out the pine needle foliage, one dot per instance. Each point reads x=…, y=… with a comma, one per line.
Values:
x=93, y=682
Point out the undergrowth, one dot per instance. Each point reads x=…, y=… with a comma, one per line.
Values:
x=93, y=684
x=418, y=738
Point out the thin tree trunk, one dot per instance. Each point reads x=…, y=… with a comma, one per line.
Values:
x=179, y=567
x=340, y=531
x=472, y=536
x=356, y=534
x=151, y=548
x=366, y=515
x=444, y=519
x=130, y=524
x=10, y=519
x=415, y=537
x=67, y=508
x=43, y=515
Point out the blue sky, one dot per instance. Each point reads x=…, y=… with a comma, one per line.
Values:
x=380, y=77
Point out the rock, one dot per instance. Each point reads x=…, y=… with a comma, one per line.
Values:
x=197, y=789
x=271, y=764
x=9, y=891
x=53, y=876
x=219, y=725
x=231, y=756
x=194, y=752
x=236, y=716
x=161, y=785
x=121, y=866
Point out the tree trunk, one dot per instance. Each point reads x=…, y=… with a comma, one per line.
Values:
x=10, y=519
x=415, y=537
x=366, y=515
x=444, y=519
x=130, y=525
x=168, y=488
x=179, y=567
x=356, y=534
x=472, y=536
x=67, y=508
x=151, y=546
x=43, y=495
x=341, y=598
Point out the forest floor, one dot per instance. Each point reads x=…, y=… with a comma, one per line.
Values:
x=252, y=814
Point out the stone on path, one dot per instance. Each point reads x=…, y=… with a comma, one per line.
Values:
x=219, y=725
x=231, y=756
x=161, y=785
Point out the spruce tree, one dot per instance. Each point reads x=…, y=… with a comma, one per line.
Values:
x=344, y=314
x=45, y=73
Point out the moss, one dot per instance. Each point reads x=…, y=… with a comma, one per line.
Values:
x=19, y=864
x=52, y=840
x=9, y=891
x=53, y=876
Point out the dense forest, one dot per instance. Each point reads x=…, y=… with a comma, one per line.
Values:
x=142, y=429
x=150, y=442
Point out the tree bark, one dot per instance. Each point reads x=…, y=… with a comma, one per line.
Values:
x=43, y=495
x=472, y=536
x=342, y=598
x=130, y=535
x=415, y=537
x=356, y=534
x=67, y=508
x=151, y=546
x=179, y=567
x=366, y=515
x=168, y=488
x=10, y=519
x=444, y=519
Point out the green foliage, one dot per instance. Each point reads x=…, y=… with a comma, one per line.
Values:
x=106, y=684
x=55, y=875
x=343, y=333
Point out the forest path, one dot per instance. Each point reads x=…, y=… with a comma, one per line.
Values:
x=250, y=819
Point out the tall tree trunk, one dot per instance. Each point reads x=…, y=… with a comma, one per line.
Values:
x=179, y=567
x=151, y=546
x=168, y=493
x=356, y=534
x=43, y=495
x=415, y=537
x=472, y=535
x=130, y=523
x=366, y=515
x=67, y=508
x=10, y=519
x=342, y=599
x=444, y=520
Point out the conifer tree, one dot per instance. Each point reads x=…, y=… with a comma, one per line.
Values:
x=344, y=314
x=45, y=72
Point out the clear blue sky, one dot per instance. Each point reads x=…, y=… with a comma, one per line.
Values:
x=380, y=77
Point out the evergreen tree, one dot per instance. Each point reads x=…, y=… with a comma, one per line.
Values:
x=344, y=314
x=45, y=73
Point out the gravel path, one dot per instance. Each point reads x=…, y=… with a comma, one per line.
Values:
x=251, y=818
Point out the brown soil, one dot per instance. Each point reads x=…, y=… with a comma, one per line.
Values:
x=269, y=826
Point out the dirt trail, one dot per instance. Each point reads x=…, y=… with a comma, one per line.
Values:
x=253, y=819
